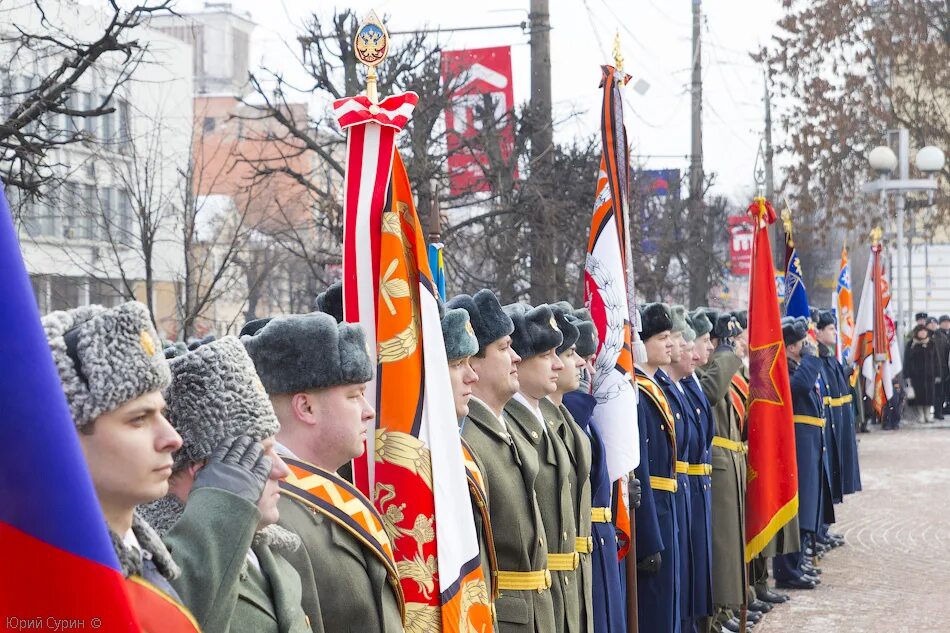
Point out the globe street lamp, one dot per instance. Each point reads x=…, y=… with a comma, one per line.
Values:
x=884, y=161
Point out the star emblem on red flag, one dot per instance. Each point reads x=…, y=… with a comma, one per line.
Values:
x=762, y=362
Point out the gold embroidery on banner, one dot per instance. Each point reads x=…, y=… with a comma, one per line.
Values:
x=473, y=593
x=404, y=450
x=422, y=618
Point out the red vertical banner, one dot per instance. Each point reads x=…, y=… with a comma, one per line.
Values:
x=772, y=481
x=741, y=231
x=481, y=76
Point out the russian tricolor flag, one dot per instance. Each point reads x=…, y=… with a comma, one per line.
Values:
x=58, y=570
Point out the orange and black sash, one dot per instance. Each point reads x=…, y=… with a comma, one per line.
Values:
x=653, y=391
x=739, y=397
x=476, y=486
x=156, y=611
x=337, y=499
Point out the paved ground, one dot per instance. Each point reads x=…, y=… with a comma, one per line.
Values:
x=894, y=573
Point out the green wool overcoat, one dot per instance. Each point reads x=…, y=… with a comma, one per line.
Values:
x=555, y=490
x=224, y=590
x=510, y=467
x=728, y=482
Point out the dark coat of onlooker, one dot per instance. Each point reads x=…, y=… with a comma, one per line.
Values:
x=922, y=368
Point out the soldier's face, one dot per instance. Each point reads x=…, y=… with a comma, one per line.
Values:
x=827, y=335
x=498, y=371
x=463, y=377
x=340, y=416
x=684, y=366
x=129, y=453
x=659, y=349
x=569, y=378
x=676, y=349
x=702, y=348
x=538, y=374
x=267, y=504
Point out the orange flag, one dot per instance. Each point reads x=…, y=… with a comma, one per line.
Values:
x=772, y=493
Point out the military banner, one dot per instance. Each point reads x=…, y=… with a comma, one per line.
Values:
x=413, y=469
x=844, y=307
x=772, y=486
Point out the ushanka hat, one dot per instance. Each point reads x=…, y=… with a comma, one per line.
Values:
x=794, y=329
x=535, y=331
x=681, y=322
x=742, y=318
x=105, y=357
x=303, y=352
x=331, y=301
x=586, y=332
x=486, y=314
x=655, y=318
x=943, y=318
x=564, y=317
x=215, y=394
x=920, y=315
x=700, y=323
x=460, y=340
x=825, y=318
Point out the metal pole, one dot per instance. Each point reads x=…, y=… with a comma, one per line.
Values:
x=903, y=151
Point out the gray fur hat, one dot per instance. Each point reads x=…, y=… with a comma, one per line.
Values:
x=564, y=317
x=678, y=314
x=460, y=339
x=487, y=316
x=105, y=357
x=700, y=323
x=302, y=352
x=331, y=301
x=587, y=338
x=794, y=329
x=681, y=322
x=535, y=330
x=215, y=394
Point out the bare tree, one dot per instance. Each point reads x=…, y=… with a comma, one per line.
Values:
x=42, y=64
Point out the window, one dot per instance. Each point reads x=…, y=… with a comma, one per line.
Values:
x=40, y=285
x=108, y=122
x=77, y=218
x=105, y=292
x=64, y=292
x=124, y=128
x=208, y=124
x=39, y=219
x=90, y=124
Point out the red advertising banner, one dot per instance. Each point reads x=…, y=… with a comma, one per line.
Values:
x=741, y=231
x=482, y=75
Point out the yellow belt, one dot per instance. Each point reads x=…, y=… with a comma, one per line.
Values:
x=524, y=580
x=682, y=467
x=601, y=515
x=663, y=483
x=838, y=402
x=699, y=469
x=584, y=544
x=563, y=562
x=729, y=445
x=809, y=419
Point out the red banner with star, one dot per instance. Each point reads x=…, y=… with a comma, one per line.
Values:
x=772, y=492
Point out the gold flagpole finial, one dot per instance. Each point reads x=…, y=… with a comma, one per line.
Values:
x=787, y=221
x=618, y=55
x=876, y=235
x=370, y=47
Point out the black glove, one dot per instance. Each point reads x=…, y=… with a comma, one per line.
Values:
x=650, y=565
x=725, y=328
x=634, y=491
x=239, y=466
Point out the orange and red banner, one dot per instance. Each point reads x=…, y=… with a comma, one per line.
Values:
x=772, y=488
x=413, y=469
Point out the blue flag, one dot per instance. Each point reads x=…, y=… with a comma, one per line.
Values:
x=57, y=555
x=437, y=267
x=796, y=297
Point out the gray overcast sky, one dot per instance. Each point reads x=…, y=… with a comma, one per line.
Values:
x=655, y=36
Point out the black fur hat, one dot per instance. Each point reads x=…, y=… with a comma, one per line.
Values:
x=794, y=329
x=825, y=318
x=587, y=339
x=487, y=316
x=564, y=317
x=535, y=330
x=742, y=318
x=301, y=352
x=251, y=327
x=920, y=315
x=331, y=301
x=655, y=318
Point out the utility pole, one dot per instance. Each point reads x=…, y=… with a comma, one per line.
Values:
x=699, y=283
x=777, y=234
x=543, y=282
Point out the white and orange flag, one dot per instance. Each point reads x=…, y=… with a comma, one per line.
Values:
x=413, y=468
x=844, y=307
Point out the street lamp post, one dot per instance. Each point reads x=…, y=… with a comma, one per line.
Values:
x=929, y=161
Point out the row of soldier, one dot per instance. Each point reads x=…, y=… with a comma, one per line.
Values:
x=223, y=470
